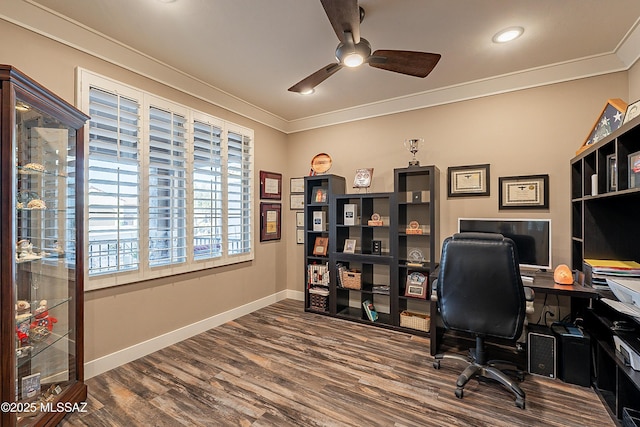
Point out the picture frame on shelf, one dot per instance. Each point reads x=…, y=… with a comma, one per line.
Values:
x=612, y=172
x=299, y=219
x=296, y=201
x=363, y=178
x=465, y=181
x=270, y=185
x=634, y=169
x=416, y=286
x=349, y=246
x=632, y=111
x=610, y=119
x=523, y=192
x=270, y=219
x=319, y=195
x=320, y=246
x=296, y=185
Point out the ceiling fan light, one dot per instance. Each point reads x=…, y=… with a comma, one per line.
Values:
x=508, y=34
x=353, y=59
x=307, y=91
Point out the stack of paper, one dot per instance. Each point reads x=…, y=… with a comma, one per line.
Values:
x=601, y=269
x=628, y=293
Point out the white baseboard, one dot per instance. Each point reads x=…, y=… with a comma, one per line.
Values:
x=120, y=357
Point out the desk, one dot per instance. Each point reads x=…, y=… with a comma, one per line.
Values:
x=581, y=297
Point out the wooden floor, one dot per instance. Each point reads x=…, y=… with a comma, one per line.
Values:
x=280, y=366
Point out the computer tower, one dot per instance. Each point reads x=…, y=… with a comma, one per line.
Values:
x=541, y=352
x=574, y=356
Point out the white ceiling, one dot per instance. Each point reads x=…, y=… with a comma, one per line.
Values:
x=256, y=49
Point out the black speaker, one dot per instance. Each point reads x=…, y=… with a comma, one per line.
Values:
x=541, y=351
x=574, y=356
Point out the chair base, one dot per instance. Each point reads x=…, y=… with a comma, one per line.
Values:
x=487, y=370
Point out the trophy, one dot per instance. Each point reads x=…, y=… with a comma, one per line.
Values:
x=413, y=145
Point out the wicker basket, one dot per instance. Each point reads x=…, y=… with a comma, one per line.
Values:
x=351, y=279
x=319, y=302
x=419, y=321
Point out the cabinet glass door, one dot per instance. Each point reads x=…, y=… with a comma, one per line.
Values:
x=45, y=254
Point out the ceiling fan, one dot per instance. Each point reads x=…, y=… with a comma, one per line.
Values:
x=345, y=17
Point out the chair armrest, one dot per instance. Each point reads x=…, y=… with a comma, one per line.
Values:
x=434, y=290
x=529, y=295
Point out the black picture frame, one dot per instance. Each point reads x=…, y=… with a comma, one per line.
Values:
x=270, y=185
x=270, y=221
x=523, y=192
x=466, y=181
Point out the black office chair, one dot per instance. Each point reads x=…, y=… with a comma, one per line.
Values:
x=479, y=291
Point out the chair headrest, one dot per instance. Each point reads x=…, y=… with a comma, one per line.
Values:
x=478, y=236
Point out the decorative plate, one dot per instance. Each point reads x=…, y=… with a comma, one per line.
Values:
x=321, y=163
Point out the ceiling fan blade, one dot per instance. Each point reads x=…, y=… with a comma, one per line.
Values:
x=315, y=79
x=418, y=64
x=344, y=16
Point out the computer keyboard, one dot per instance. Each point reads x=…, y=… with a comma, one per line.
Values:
x=527, y=279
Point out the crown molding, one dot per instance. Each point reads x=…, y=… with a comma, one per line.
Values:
x=47, y=23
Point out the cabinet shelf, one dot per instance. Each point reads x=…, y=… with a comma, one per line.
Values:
x=47, y=135
x=382, y=276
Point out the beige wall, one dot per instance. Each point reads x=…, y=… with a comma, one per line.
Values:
x=120, y=317
x=634, y=83
x=535, y=131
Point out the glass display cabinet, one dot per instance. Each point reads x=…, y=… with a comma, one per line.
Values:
x=41, y=265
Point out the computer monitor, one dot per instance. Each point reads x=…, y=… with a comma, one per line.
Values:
x=532, y=237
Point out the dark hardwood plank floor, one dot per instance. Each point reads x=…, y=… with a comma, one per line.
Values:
x=280, y=366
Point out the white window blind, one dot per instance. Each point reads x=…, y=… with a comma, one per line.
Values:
x=207, y=190
x=167, y=188
x=113, y=183
x=239, y=161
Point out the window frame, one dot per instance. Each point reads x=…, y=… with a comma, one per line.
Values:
x=86, y=80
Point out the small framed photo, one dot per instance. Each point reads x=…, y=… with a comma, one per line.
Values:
x=270, y=185
x=349, y=246
x=416, y=285
x=319, y=195
x=299, y=219
x=634, y=170
x=300, y=236
x=524, y=192
x=270, y=217
x=363, y=178
x=464, y=181
x=296, y=185
x=612, y=172
x=296, y=201
x=320, y=246
x=633, y=111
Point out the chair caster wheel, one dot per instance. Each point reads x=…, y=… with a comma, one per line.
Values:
x=520, y=377
x=520, y=403
x=436, y=364
x=459, y=393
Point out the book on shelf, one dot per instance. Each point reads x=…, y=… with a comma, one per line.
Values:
x=318, y=274
x=372, y=314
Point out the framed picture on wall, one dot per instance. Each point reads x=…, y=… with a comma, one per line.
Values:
x=270, y=217
x=524, y=192
x=270, y=185
x=465, y=181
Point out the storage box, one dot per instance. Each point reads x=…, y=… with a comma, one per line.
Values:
x=319, y=221
x=352, y=279
x=319, y=299
x=413, y=320
x=350, y=214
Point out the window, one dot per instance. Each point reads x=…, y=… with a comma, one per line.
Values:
x=169, y=189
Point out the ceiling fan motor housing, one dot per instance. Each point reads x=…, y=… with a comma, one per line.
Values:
x=345, y=50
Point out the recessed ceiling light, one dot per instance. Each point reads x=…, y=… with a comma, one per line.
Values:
x=508, y=34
